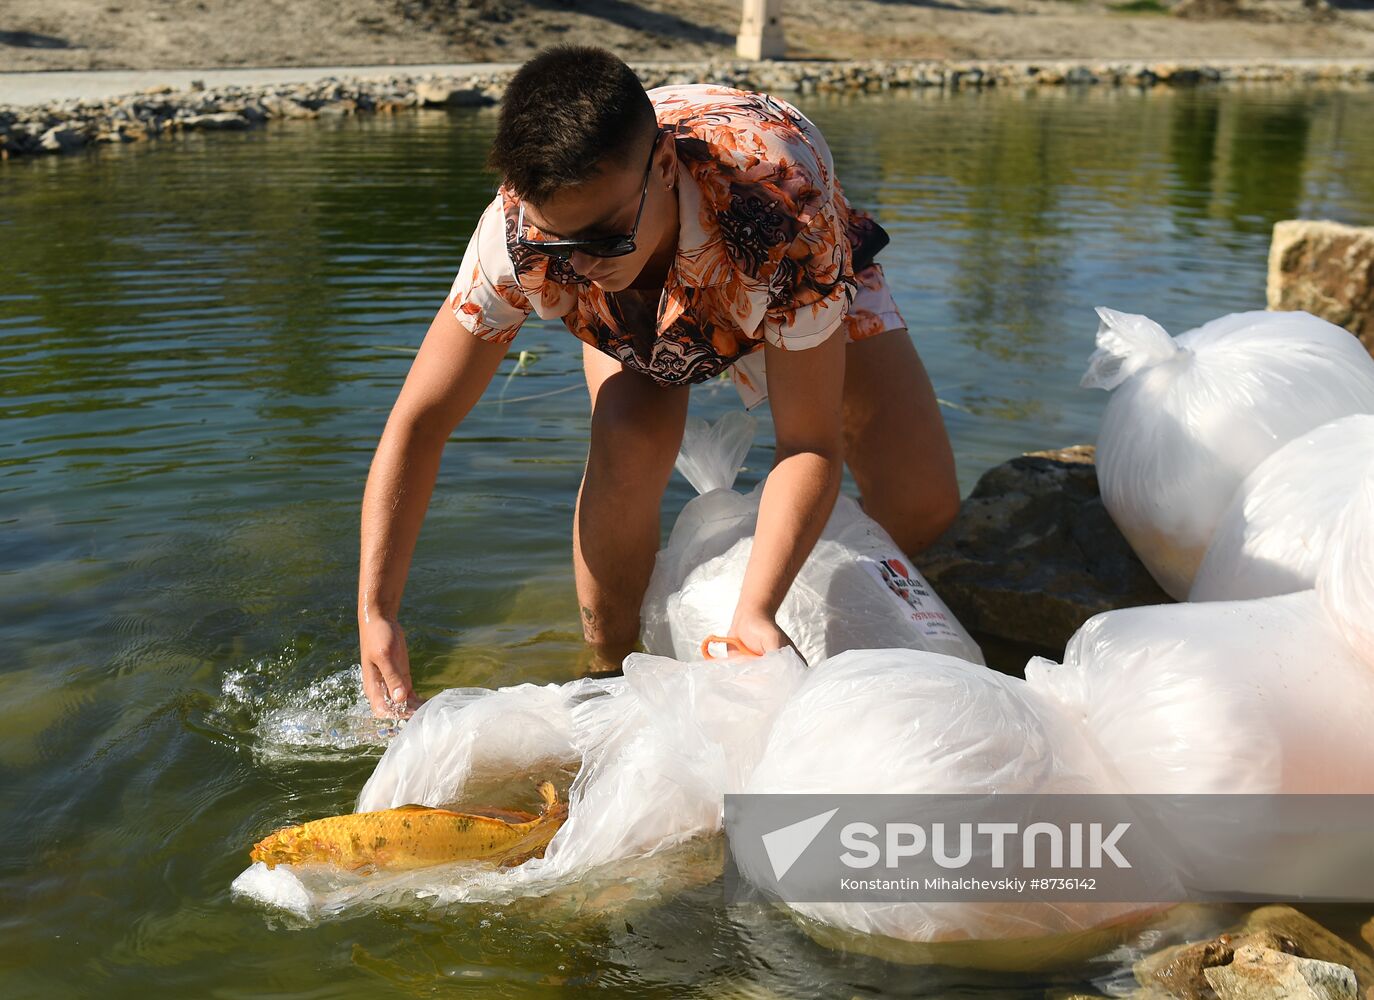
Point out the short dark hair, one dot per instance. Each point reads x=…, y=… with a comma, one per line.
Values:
x=564, y=112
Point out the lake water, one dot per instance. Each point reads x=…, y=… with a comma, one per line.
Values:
x=200, y=341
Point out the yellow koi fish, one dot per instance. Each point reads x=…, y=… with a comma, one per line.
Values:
x=414, y=836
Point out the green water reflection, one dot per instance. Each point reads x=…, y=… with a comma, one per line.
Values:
x=199, y=343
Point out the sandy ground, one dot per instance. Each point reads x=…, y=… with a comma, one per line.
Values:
x=167, y=34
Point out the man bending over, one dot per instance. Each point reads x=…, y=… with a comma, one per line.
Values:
x=677, y=233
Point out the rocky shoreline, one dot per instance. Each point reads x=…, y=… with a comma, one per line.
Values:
x=71, y=125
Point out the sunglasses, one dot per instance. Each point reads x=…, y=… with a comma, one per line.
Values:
x=601, y=246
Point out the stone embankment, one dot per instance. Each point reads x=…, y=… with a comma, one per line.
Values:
x=65, y=126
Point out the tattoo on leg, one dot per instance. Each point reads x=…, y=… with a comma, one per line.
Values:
x=589, y=624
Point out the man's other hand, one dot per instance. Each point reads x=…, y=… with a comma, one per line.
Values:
x=759, y=633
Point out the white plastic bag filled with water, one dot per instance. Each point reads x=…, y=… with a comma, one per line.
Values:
x=856, y=590
x=1346, y=580
x=1275, y=534
x=1192, y=704
x=1258, y=697
x=901, y=721
x=1191, y=416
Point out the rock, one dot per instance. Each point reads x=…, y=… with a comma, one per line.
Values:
x=1264, y=974
x=1183, y=969
x=1312, y=940
x=1033, y=553
x=433, y=94
x=285, y=107
x=62, y=139
x=1327, y=269
x=1180, y=970
x=220, y=120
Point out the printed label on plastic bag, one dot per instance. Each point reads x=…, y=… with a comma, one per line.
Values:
x=913, y=596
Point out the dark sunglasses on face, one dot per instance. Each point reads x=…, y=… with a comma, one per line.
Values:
x=602, y=246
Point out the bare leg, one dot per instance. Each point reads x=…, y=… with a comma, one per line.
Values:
x=635, y=435
x=895, y=441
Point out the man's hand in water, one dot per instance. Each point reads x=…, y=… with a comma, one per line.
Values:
x=386, y=669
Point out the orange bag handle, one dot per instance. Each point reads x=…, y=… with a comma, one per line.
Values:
x=732, y=642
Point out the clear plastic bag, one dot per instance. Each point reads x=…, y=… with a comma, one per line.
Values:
x=1257, y=697
x=906, y=721
x=467, y=742
x=656, y=770
x=1346, y=580
x=655, y=753
x=1190, y=417
x=856, y=589
x=1276, y=531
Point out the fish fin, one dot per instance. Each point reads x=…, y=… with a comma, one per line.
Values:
x=505, y=815
x=549, y=794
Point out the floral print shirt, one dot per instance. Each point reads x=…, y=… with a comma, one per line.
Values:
x=768, y=248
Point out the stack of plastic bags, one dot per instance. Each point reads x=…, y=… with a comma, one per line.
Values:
x=1250, y=434
x=1251, y=441
x=1237, y=458
x=1191, y=417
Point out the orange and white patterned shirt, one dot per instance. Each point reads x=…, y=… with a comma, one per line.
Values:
x=769, y=249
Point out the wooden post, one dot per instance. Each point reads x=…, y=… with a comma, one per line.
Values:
x=760, y=31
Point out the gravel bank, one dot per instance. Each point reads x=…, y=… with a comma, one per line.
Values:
x=73, y=124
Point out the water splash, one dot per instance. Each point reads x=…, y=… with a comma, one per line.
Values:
x=328, y=718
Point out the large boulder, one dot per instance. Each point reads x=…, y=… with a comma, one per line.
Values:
x=1034, y=553
x=1327, y=269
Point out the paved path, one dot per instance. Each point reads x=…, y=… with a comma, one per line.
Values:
x=59, y=85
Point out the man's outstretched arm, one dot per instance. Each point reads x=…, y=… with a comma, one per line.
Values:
x=449, y=374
